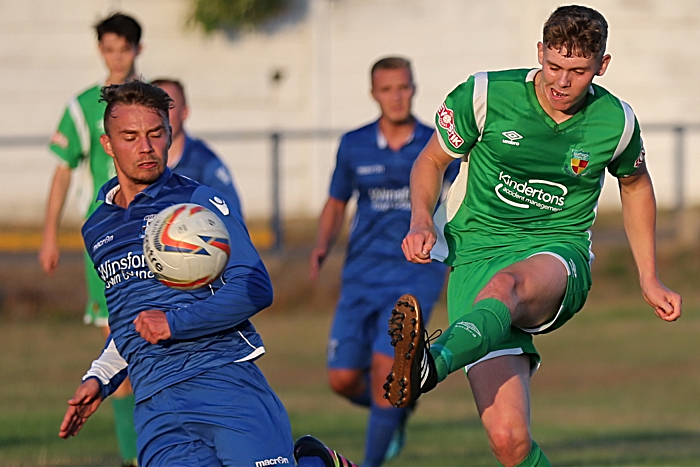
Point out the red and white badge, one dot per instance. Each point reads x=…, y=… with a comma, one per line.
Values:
x=446, y=119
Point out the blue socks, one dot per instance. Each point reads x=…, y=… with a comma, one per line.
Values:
x=383, y=422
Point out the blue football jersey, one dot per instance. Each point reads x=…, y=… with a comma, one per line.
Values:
x=379, y=176
x=209, y=326
x=199, y=163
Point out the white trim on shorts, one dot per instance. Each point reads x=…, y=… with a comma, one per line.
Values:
x=549, y=323
x=501, y=353
x=519, y=350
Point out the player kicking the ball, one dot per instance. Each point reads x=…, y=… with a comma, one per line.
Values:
x=200, y=398
x=517, y=235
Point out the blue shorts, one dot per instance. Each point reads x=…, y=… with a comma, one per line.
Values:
x=361, y=323
x=227, y=416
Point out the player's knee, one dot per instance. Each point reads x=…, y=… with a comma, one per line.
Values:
x=509, y=445
x=502, y=286
x=345, y=384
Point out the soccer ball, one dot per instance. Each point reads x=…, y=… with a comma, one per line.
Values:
x=186, y=246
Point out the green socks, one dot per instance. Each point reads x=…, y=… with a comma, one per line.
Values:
x=124, y=421
x=471, y=336
x=536, y=458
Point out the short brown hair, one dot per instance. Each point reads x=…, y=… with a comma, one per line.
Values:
x=173, y=82
x=392, y=63
x=577, y=30
x=135, y=93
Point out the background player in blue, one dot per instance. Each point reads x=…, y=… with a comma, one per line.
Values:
x=190, y=156
x=375, y=161
x=201, y=401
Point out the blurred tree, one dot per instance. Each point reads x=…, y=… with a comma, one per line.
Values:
x=214, y=15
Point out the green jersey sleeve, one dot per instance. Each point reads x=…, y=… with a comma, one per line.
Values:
x=456, y=122
x=630, y=152
x=66, y=142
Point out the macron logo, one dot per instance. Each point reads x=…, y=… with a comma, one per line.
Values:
x=274, y=461
x=512, y=136
x=102, y=242
x=220, y=205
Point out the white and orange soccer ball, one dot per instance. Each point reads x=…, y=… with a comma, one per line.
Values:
x=186, y=246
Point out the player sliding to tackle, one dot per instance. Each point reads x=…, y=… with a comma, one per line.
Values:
x=200, y=398
x=517, y=235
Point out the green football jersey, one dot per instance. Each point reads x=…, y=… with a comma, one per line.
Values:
x=77, y=143
x=525, y=180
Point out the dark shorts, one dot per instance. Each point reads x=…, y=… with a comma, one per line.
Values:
x=361, y=322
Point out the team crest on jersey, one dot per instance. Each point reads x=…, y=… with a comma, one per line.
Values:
x=578, y=164
x=446, y=119
x=146, y=222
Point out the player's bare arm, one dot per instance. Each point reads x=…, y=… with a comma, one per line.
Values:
x=639, y=216
x=85, y=401
x=329, y=226
x=153, y=326
x=49, y=253
x=426, y=183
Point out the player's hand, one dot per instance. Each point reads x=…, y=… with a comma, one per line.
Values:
x=49, y=255
x=85, y=401
x=418, y=243
x=666, y=302
x=318, y=256
x=153, y=326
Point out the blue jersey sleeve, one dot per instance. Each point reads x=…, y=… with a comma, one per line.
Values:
x=342, y=185
x=246, y=286
x=216, y=175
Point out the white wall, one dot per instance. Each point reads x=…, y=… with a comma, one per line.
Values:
x=48, y=53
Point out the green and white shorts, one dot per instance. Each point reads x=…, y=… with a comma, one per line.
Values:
x=467, y=280
x=96, y=310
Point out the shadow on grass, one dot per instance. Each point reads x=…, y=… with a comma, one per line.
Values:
x=450, y=443
x=626, y=449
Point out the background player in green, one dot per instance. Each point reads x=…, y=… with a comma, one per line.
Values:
x=76, y=143
x=539, y=142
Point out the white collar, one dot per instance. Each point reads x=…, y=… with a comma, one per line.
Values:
x=109, y=197
x=382, y=143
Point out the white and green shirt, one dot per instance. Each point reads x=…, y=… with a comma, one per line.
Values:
x=77, y=143
x=530, y=181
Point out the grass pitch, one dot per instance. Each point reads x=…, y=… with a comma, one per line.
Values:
x=618, y=387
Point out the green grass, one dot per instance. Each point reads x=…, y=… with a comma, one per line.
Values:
x=618, y=387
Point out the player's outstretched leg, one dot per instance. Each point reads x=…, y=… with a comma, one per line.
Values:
x=413, y=371
x=310, y=452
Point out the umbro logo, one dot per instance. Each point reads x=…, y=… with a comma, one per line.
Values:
x=512, y=136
